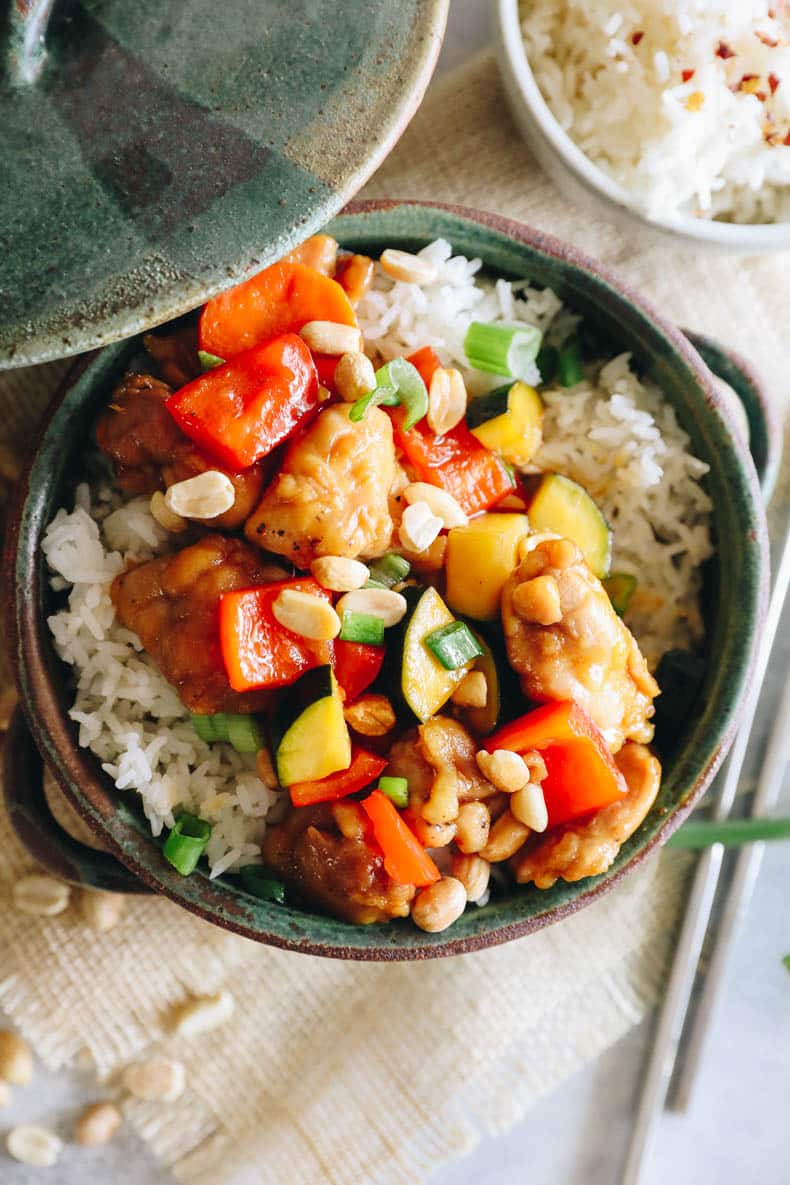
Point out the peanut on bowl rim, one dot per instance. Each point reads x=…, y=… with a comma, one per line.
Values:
x=733, y=610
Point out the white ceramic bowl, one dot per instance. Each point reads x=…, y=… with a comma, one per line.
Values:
x=573, y=172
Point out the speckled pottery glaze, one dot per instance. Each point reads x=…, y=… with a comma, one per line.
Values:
x=733, y=608
x=153, y=154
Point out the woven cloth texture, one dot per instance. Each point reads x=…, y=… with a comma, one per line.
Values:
x=338, y=1073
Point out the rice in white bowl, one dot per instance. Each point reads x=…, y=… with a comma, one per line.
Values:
x=612, y=433
x=686, y=103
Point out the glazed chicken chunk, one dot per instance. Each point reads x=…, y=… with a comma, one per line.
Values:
x=172, y=604
x=325, y=854
x=566, y=642
x=150, y=452
x=587, y=847
x=438, y=761
x=330, y=496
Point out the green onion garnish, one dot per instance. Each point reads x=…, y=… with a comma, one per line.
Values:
x=408, y=382
x=389, y=570
x=454, y=645
x=245, y=734
x=786, y=961
x=620, y=586
x=730, y=832
x=570, y=363
x=375, y=584
x=547, y=362
x=509, y=350
x=205, y=727
x=209, y=361
x=386, y=395
x=362, y=627
x=186, y=843
x=396, y=789
x=256, y=881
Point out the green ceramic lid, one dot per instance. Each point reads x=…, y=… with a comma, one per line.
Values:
x=154, y=153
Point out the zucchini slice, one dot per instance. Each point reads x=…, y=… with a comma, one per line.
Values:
x=509, y=420
x=311, y=736
x=565, y=507
x=425, y=684
x=620, y=586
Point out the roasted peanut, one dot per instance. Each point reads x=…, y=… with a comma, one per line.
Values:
x=443, y=505
x=408, y=268
x=34, y=1145
x=472, y=691
x=354, y=376
x=203, y=1013
x=529, y=806
x=330, y=337
x=473, y=872
x=159, y=1079
x=419, y=527
x=472, y=826
x=98, y=1124
x=442, y=803
x=377, y=602
x=42, y=896
x=339, y=574
x=306, y=614
x=507, y=836
x=505, y=770
x=101, y=910
x=439, y=905
x=16, y=1059
x=432, y=835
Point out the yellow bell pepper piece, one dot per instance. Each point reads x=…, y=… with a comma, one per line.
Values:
x=478, y=561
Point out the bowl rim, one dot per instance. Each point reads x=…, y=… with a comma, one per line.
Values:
x=31, y=644
x=513, y=60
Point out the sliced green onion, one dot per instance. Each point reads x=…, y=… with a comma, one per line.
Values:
x=362, y=627
x=186, y=843
x=620, y=586
x=730, y=832
x=547, y=362
x=205, y=728
x=509, y=350
x=209, y=361
x=375, y=584
x=786, y=961
x=396, y=789
x=386, y=395
x=570, y=363
x=245, y=734
x=389, y=570
x=257, y=882
x=454, y=645
x=408, y=382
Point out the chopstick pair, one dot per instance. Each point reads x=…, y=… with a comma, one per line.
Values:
x=664, y=1061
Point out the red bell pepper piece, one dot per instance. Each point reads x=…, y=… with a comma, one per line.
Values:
x=256, y=649
x=457, y=462
x=426, y=360
x=365, y=768
x=240, y=411
x=405, y=859
x=280, y=299
x=356, y=666
x=326, y=365
x=582, y=776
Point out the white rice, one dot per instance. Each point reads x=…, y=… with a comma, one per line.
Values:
x=612, y=433
x=612, y=75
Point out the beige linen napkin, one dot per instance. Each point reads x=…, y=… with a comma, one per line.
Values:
x=342, y=1073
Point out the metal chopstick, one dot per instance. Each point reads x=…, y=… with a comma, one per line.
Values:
x=698, y=909
x=738, y=894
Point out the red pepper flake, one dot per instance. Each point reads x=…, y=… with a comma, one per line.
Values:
x=773, y=82
x=637, y=37
x=749, y=84
x=687, y=75
x=724, y=51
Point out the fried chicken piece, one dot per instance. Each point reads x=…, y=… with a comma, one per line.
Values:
x=330, y=496
x=340, y=874
x=151, y=452
x=172, y=604
x=176, y=355
x=438, y=760
x=566, y=642
x=588, y=847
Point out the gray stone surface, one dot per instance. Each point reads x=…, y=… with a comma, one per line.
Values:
x=736, y=1130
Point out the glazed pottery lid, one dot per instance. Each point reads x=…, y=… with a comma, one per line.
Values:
x=154, y=153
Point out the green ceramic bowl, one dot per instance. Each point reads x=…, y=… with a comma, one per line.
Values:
x=734, y=595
